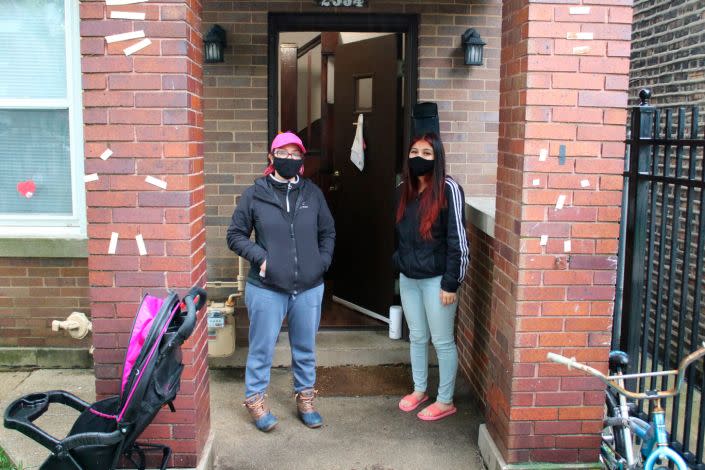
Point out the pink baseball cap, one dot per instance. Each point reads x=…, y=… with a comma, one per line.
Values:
x=286, y=138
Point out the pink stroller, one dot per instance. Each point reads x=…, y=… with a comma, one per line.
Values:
x=151, y=375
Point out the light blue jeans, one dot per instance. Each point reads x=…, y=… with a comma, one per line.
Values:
x=427, y=316
x=266, y=310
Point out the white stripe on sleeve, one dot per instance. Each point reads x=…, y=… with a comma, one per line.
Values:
x=462, y=237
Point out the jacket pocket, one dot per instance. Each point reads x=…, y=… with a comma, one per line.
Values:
x=258, y=269
x=321, y=266
x=311, y=270
x=273, y=277
x=278, y=273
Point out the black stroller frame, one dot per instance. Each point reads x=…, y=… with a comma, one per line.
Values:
x=108, y=429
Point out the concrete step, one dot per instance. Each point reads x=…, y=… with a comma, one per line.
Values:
x=335, y=348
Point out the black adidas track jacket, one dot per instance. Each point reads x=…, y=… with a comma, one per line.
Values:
x=446, y=253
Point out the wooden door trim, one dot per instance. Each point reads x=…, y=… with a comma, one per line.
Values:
x=289, y=89
x=308, y=46
x=370, y=22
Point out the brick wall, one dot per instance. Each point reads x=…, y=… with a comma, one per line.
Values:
x=36, y=291
x=668, y=51
x=236, y=100
x=570, y=102
x=473, y=332
x=147, y=108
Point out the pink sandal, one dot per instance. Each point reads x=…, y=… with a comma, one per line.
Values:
x=436, y=413
x=413, y=402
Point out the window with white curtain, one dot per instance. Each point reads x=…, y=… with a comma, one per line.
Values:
x=41, y=142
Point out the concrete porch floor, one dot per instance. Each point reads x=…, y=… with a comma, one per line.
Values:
x=360, y=432
x=335, y=348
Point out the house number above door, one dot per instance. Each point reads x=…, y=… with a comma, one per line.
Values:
x=342, y=3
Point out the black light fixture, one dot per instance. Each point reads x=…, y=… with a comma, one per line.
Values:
x=472, y=46
x=214, y=45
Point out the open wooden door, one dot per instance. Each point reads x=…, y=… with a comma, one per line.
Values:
x=367, y=82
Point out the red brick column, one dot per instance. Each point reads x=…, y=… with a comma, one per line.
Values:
x=146, y=108
x=566, y=93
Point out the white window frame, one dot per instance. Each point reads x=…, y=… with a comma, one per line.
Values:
x=37, y=225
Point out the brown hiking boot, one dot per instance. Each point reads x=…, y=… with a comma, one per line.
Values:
x=307, y=412
x=259, y=412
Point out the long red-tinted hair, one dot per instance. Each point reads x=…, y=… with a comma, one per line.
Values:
x=433, y=198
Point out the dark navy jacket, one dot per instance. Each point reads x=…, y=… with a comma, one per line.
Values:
x=446, y=253
x=297, y=244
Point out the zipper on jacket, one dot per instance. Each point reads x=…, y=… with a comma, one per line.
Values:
x=272, y=199
x=288, y=188
x=299, y=200
x=296, y=257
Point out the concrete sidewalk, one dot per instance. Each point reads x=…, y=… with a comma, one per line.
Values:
x=366, y=432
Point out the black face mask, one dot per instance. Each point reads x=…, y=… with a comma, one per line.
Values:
x=287, y=167
x=420, y=166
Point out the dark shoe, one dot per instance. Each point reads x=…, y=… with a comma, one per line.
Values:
x=264, y=420
x=307, y=413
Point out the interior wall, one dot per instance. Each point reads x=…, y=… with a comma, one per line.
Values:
x=299, y=38
x=314, y=97
x=348, y=37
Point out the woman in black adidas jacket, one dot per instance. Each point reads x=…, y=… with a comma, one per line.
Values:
x=293, y=247
x=432, y=256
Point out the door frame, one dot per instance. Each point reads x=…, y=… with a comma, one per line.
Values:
x=347, y=22
x=352, y=22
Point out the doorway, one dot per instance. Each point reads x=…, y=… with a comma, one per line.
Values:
x=327, y=73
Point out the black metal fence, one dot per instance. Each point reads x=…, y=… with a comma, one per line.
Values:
x=660, y=318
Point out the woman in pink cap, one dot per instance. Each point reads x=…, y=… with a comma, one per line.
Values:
x=293, y=247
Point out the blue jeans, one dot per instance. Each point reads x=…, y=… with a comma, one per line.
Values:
x=267, y=310
x=427, y=316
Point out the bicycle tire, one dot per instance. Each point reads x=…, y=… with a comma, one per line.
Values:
x=613, y=411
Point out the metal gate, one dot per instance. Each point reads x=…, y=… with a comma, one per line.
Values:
x=659, y=318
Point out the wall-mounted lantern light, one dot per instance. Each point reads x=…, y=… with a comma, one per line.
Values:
x=214, y=45
x=472, y=46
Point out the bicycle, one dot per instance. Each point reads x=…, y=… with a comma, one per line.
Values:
x=617, y=448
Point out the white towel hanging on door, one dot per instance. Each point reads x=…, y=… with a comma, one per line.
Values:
x=357, y=151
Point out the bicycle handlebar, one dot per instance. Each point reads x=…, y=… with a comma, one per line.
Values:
x=610, y=380
x=566, y=361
